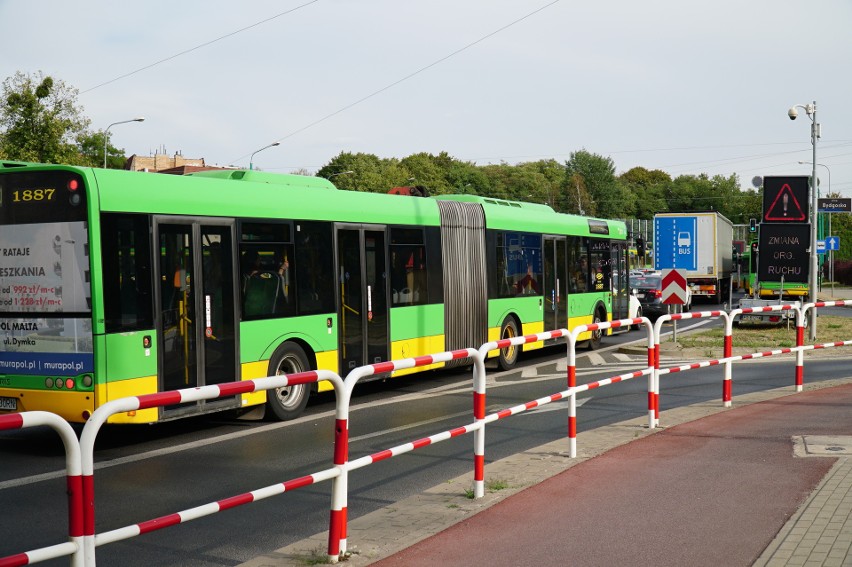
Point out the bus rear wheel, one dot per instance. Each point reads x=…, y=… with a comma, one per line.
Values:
x=597, y=336
x=288, y=402
x=509, y=355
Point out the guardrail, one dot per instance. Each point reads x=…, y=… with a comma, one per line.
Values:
x=100, y=416
x=74, y=483
x=80, y=456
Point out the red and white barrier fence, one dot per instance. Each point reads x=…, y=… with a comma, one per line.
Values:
x=80, y=456
x=340, y=484
x=74, y=484
x=100, y=416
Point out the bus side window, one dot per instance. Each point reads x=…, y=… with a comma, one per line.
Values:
x=315, y=279
x=126, y=256
x=408, y=267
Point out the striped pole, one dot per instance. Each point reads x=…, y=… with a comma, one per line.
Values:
x=654, y=377
x=339, y=488
x=479, y=417
x=73, y=483
x=800, y=354
x=572, y=399
x=653, y=365
x=728, y=350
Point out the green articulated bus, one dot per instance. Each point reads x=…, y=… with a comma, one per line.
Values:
x=118, y=283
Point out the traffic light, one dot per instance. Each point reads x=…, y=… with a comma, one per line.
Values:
x=640, y=247
x=752, y=225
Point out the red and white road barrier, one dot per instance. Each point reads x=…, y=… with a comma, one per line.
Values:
x=337, y=538
x=134, y=403
x=658, y=325
x=572, y=369
x=479, y=398
x=74, y=485
x=80, y=456
x=800, y=340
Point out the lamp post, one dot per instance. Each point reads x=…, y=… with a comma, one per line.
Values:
x=341, y=173
x=830, y=252
x=251, y=159
x=813, y=279
x=106, y=132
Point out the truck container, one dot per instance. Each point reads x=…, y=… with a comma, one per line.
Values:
x=705, y=240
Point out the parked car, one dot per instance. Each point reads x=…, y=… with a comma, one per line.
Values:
x=648, y=289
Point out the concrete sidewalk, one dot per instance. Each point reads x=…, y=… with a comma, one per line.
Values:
x=809, y=519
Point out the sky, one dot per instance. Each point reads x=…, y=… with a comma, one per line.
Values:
x=685, y=87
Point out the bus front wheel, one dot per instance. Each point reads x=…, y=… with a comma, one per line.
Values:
x=509, y=355
x=288, y=402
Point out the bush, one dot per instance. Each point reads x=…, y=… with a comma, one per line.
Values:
x=843, y=271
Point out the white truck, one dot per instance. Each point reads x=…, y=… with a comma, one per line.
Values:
x=707, y=238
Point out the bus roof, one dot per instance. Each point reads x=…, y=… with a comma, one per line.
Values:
x=534, y=217
x=258, y=194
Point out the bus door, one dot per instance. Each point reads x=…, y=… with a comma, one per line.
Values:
x=554, y=289
x=196, y=304
x=362, y=296
x=620, y=281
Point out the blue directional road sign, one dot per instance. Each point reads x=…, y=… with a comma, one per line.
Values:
x=675, y=243
x=832, y=243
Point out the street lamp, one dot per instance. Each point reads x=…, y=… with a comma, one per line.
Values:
x=818, y=191
x=826, y=235
x=813, y=279
x=251, y=159
x=341, y=173
x=106, y=132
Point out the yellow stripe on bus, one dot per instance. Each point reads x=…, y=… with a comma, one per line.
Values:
x=124, y=388
x=418, y=346
x=69, y=405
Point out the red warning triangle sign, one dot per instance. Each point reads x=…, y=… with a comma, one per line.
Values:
x=785, y=207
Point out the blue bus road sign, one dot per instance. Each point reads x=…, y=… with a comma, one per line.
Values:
x=832, y=243
x=675, y=243
x=820, y=246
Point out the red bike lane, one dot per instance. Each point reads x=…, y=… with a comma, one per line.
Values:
x=714, y=491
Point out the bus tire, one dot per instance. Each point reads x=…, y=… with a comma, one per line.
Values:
x=288, y=402
x=508, y=356
x=595, y=341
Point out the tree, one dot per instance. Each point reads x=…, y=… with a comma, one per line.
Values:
x=648, y=189
x=610, y=198
x=368, y=172
x=428, y=171
x=40, y=120
x=91, y=149
x=551, y=176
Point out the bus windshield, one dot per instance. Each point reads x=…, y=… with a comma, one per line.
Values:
x=45, y=298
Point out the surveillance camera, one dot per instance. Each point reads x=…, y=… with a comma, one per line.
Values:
x=793, y=113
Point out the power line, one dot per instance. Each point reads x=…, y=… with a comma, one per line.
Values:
x=410, y=75
x=197, y=47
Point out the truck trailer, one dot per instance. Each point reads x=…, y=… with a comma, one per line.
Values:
x=701, y=245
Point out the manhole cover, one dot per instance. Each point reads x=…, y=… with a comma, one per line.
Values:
x=821, y=445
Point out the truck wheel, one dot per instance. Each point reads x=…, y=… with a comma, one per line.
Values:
x=509, y=355
x=288, y=402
